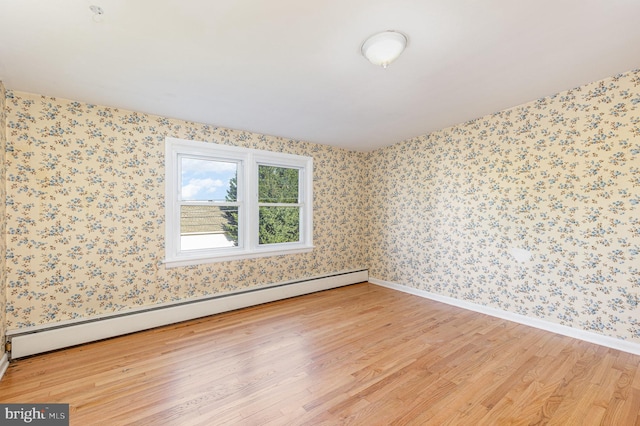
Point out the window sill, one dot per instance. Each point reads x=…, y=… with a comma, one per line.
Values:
x=240, y=255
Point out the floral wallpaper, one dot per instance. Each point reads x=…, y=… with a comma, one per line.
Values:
x=3, y=227
x=85, y=212
x=448, y=212
x=558, y=178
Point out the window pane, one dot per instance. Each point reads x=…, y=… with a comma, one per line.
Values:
x=206, y=227
x=277, y=184
x=208, y=180
x=279, y=225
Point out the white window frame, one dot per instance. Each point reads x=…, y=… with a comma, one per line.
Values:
x=248, y=161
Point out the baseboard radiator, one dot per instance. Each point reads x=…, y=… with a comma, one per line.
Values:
x=34, y=340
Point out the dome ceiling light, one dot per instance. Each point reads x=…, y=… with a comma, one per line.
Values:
x=384, y=48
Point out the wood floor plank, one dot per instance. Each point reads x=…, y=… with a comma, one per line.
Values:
x=361, y=355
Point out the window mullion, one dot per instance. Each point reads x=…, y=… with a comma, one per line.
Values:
x=251, y=198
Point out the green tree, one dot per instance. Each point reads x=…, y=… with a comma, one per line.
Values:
x=276, y=223
x=231, y=212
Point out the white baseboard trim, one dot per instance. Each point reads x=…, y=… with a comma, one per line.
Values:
x=30, y=341
x=588, y=336
x=4, y=364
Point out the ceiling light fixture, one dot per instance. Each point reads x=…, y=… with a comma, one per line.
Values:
x=97, y=13
x=384, y=48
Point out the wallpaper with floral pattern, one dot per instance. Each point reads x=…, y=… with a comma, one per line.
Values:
x=85, y=212
x=3, y=223
x=558, y=177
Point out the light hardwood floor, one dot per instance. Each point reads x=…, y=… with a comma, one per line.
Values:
x=360, y=354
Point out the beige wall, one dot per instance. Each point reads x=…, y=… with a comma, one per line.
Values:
x=559, y=177
x=85, y=214
x=3, y=223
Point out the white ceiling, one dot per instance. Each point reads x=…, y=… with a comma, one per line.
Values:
x=293, y=68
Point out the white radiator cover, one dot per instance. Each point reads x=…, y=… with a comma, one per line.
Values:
x=34, y=340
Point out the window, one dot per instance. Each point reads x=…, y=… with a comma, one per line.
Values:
x=227, y=203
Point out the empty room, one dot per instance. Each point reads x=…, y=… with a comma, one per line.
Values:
x=300, y=213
